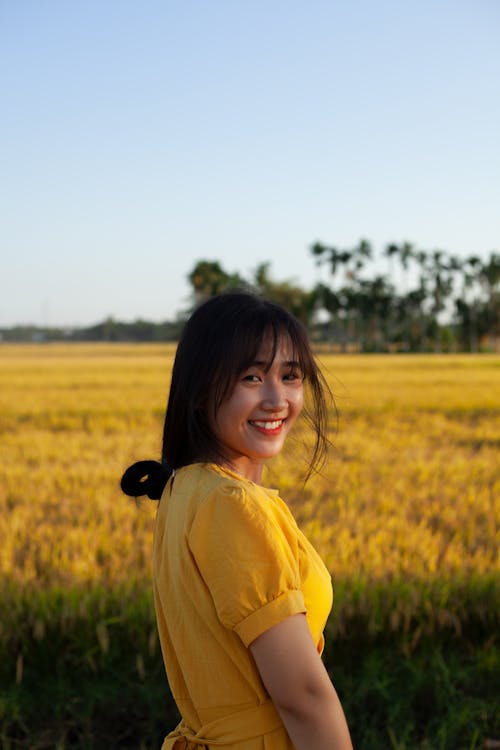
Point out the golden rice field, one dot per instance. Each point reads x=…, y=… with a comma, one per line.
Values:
x=410, y=493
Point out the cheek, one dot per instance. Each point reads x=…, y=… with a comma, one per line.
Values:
x=298, y=402
x=234, y=409
x=244, y=401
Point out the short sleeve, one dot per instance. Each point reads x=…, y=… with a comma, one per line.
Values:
x=248, y=557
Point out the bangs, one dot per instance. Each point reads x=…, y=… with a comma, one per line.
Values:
x=221, y=339
x=264, y=326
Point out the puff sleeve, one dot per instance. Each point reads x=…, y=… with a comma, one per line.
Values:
x=247, y=556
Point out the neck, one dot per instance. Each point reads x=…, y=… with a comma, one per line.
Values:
x=248, y=469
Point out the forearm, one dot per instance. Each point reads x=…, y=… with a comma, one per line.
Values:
x=319, y=723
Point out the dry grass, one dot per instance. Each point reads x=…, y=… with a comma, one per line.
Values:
x=411, y=492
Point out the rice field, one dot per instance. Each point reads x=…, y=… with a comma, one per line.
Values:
x=410, y=492
x=406, y=514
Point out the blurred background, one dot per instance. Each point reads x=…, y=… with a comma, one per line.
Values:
x=140, y=138
x=342, y=159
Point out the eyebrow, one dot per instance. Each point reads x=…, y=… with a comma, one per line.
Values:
x=285, y=363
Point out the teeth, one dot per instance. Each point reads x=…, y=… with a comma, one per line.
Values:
x=269, y=425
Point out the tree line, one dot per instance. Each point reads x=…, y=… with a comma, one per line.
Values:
x=423, y=301
x=442, y=303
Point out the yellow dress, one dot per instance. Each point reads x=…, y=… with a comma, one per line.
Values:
x=229, y=562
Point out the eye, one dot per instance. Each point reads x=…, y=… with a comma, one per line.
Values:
x=293, y=375
x=251, y=378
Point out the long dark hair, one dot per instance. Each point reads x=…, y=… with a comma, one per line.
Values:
x=220, y=340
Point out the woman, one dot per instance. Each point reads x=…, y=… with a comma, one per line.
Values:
x=241, y=596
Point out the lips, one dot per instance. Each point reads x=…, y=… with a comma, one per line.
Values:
x=267, y=427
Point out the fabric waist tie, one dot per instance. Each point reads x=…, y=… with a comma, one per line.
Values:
x=228, y=730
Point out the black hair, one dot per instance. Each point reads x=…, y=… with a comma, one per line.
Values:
x=219, y=341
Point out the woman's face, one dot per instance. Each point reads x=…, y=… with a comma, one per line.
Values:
x=253, y=422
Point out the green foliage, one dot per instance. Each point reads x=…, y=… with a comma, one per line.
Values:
x=208, y=278
x=82, y=669
x=109, y=330
x=372, y=314
x=441, y=303
x=441, y=696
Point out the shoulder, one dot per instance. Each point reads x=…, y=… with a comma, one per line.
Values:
x=208, y=495
x=208, y=482
x=237, y=507
x=204, y=480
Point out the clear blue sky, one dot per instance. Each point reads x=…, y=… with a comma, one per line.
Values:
x=139, y=137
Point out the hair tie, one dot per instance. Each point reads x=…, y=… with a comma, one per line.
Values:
x=146, y=478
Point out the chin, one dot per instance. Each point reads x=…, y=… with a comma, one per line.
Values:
x=270, y=454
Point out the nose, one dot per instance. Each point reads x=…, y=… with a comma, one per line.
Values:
x=273, y=398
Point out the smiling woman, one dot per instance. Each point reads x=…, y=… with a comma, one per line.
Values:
x=254, y=421
x=241, y=596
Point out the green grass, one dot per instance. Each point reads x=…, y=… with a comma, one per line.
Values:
x=90, y=675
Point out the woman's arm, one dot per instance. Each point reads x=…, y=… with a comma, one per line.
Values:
x=298, y=683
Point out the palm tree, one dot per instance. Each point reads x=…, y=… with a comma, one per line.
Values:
x=490, y=275
x=347, y=297
x=467, y=305
x=328, y=300
x=333, y=256
x=390, y=252
x=405, y=253
x=441, y=288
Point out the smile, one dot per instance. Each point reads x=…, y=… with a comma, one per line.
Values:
x=273, y=426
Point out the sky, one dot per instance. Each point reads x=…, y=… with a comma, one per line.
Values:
x=137, y=138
